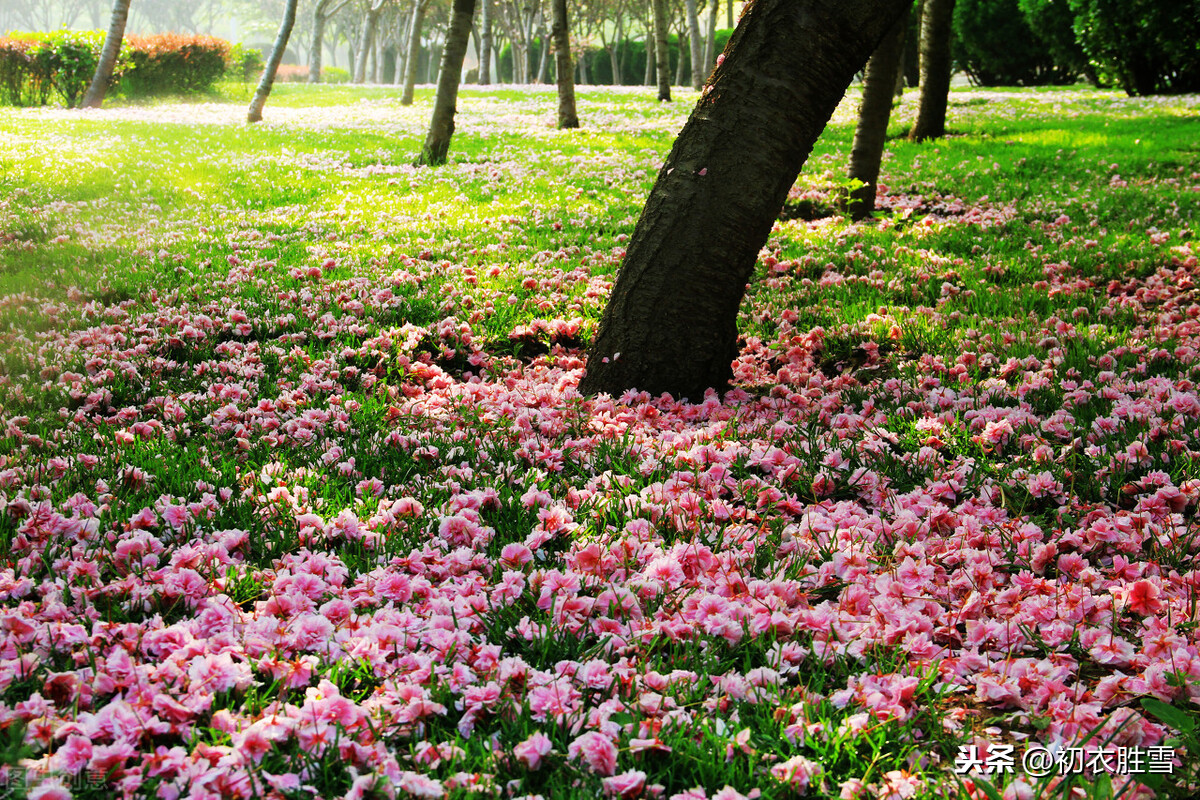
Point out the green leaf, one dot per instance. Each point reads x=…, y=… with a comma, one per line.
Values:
x=1177, y=718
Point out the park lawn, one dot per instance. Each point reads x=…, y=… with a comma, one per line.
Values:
x=297, y=494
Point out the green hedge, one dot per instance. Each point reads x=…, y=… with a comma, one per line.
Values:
x=36, y=68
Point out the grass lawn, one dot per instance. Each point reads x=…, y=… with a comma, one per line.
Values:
x=298, y=496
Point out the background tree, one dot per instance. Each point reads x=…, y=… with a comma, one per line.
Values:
x=695, y=44
x=996, y=46
x=567, y=118
x=108, y=56
x=323, y=10
x=254, y=114
x=485, y=42
x=936, y=66
x=662, y=56
x=1148, y=46
x=441, y=126
x=671, y=322
x=414, y=51
x=870, y=135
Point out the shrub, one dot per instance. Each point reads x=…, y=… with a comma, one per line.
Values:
x=335, y=75
x=35, y=66
x=1148, y=46
x=244, y=63
x=995, y=45
x=170, y=63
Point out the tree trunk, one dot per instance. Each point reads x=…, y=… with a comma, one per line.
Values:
x=318, y=43
x=671, y=322
x=543, y=57
x=366, y=45
x=389, y=64
x=561, y=31
x=681, y=63
x=441, y=126
x=879, y=84
x=414, y=53
x=254, y=114
x=485, y=43
x=729, y=14
x=936, y=65
x=710, y=42
x=661, y=54
x=94, y=97
x=649, y=78
x=697, y=45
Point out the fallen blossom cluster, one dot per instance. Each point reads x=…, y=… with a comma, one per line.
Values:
x=342, y=524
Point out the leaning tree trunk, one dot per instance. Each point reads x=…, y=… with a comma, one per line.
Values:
x=414, y=53
x=936, y=66
x=671, y=322
x=879, y=84
x=485, y=43
x=697, y=45
x=254, y=114
x=108, y=56
x=661, y=54
x=441, y=126
x=561, y=31
x=710, y=42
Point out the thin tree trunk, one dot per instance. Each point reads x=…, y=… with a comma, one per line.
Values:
x=414, y=53
x=649, y=78
x=661, y=54
x=936, y=67
x=544, y=56
x=710, y=41
x=671, y=322
x=254, y=114
x=441, y=126
x=681, y=63
x=697, y=45
x=870, y=136
x=561, y=31
x=94, y=97
x=729, y=14
x=485, y=43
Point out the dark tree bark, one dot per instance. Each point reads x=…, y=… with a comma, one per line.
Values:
x=94, y=97
x=662, y=56
x=485, y=43
x=936, y=64
x=671, y=323
x=414, y=52
x=441, y=126
x=870, y=136
x=254, y=114
x=696, y=45
x=561, y=31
